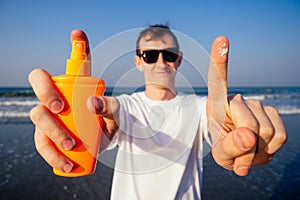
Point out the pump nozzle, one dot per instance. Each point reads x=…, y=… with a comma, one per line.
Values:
x=78, y=50
x=78, y=64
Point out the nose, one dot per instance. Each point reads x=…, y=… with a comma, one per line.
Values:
x=160, y=59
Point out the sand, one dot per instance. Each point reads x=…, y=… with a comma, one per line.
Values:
x=25, y=175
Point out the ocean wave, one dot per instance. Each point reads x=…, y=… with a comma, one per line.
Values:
x=272, y=96
x=19, y=103
x=255, y=97
x=289, y=112
x=13, y=114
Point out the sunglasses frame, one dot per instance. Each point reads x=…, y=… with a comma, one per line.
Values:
x=166, y=53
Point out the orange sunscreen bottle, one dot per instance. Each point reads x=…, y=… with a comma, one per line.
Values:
x=76, y=86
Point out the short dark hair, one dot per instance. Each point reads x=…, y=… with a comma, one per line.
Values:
x=156, y=31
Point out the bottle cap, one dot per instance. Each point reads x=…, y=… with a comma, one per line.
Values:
x=78, y=65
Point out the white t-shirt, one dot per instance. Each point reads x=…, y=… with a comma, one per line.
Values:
x=160, y=148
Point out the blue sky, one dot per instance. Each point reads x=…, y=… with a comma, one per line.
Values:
x=264, y=34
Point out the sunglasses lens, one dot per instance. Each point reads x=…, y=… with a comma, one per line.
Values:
x=150, y=56
x=170, y=56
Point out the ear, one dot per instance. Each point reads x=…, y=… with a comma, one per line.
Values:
x=179, y=60
x=138, y=63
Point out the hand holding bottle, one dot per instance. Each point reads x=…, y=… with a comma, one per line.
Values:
x=51, y=129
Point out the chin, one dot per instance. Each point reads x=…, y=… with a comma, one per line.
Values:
x=162, y=85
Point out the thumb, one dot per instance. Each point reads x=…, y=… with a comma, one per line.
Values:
x=107, y=107
x=81, y=35
x=236, y=144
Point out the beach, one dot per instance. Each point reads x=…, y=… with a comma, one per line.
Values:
x=25, y=175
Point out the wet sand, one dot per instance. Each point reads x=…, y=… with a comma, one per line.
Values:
x=25, y=175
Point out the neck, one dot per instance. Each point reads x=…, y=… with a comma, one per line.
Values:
x=160, y=93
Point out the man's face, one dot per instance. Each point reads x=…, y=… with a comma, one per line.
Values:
x=161, y=73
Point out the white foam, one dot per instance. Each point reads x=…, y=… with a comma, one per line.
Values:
x=19, y=103
x=255, y=97
x=9, y=114
x=289, y=111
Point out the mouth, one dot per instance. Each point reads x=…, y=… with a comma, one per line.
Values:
x=163, y=71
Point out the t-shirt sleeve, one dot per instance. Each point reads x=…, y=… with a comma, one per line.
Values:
x=205, y=142
x=203, y=121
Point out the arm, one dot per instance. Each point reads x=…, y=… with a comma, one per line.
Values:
x=244, y=132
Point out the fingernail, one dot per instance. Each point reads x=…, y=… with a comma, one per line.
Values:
x=243, y=170
x=68, y=167
x=223, y=49
x=68, y=144
x=56, y=106
x=97, y=104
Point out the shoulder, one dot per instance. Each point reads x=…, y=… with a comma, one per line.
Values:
x=135, y=95
x=192, y=97
x=193, y=101
x=134, y=98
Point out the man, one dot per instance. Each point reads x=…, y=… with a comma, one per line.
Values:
x=160, y=132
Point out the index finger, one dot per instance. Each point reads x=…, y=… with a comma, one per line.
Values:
x=217, y=73
x=42, y=85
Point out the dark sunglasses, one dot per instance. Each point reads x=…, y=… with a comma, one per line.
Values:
x=151, y=56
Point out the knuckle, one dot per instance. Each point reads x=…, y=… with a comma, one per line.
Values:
x=52, y=160
x=252, y=124
x=254, y=103
x=37, y=114
x=40, y=141
x=40, y=117
x=267, y=132
x=57, y=134
x=280, y=138
x=41, y=83
x=271, y=110
x=46, y=95
x=238, y=97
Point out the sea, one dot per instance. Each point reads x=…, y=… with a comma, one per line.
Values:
x=16, y=102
